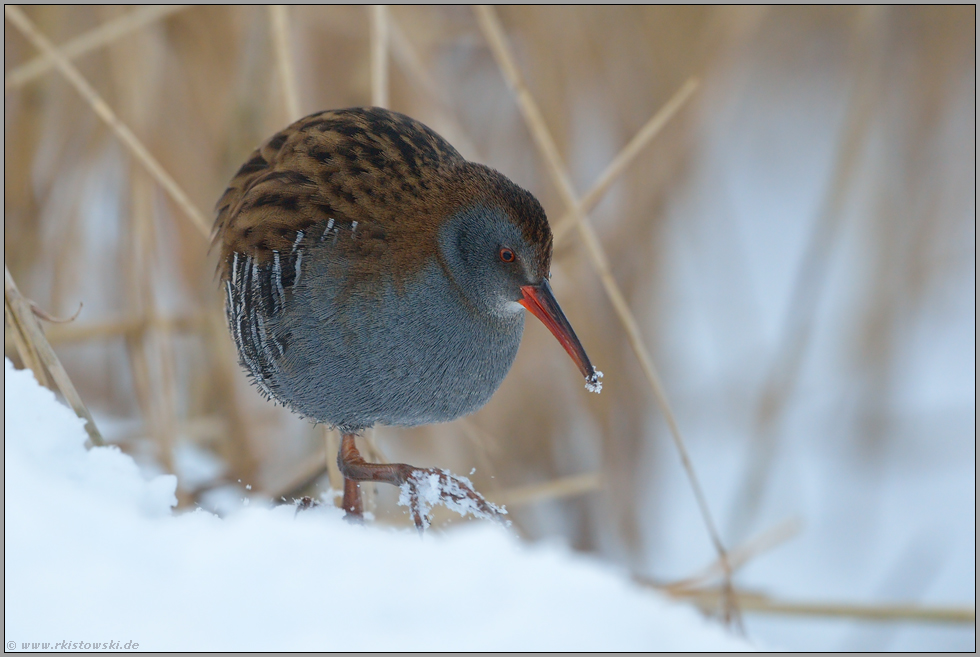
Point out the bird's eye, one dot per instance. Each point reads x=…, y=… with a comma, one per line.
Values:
x=507, y=255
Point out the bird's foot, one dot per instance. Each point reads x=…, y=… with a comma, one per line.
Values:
x=421, y=488
x=424, y=488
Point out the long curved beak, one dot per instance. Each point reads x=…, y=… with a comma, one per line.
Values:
x=540, y=300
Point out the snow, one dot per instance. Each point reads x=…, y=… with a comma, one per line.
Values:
x=427, y=488
x=95, y=553
x=593, y=382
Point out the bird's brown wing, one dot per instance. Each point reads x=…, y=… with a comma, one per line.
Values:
x=362, y=169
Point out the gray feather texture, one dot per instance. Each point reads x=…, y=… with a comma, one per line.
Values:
x=431, y=349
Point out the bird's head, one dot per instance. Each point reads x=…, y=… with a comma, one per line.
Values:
x=496, y=246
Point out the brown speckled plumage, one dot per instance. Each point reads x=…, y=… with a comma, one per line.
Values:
x=383, y=173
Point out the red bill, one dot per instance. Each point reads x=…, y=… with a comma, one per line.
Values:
x=541, y=302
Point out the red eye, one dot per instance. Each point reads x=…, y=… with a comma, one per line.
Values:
x=507, y=255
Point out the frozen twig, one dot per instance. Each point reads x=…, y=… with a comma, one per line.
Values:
x=427, y=487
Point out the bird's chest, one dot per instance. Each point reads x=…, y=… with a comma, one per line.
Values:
x=409, y=354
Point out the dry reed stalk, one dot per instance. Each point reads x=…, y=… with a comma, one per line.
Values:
x=139, y=370
x=550, y=490
x=20, y=342
x=493, y=31
x=67, y=256
x=405, y=54
x=202, y=429
x=760, y=603
x=379, y=56
x=102, y=109
x=137, y=266
x=279, y=22
x=784, y=371
x=166, y=397
x=115, y=328
x=739, y=556
x=38, y=352
x=148, y=349
x=625, y=157
x=90, y=41
x=41, y=313
x=331, y=445
x=154, y=342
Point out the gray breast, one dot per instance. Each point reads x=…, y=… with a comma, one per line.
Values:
x=408, y=357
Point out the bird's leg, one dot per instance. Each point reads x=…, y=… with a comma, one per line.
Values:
x=422, y=486
x=355, y=469
x=349, y=460
x=352, y=500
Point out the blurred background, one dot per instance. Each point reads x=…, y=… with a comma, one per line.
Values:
x=797, y=244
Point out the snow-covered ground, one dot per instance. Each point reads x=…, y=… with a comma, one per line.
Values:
x=94, y=555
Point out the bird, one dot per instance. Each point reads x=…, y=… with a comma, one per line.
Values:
x=372, y=275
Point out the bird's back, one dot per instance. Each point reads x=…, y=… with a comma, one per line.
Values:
x=366, y=168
